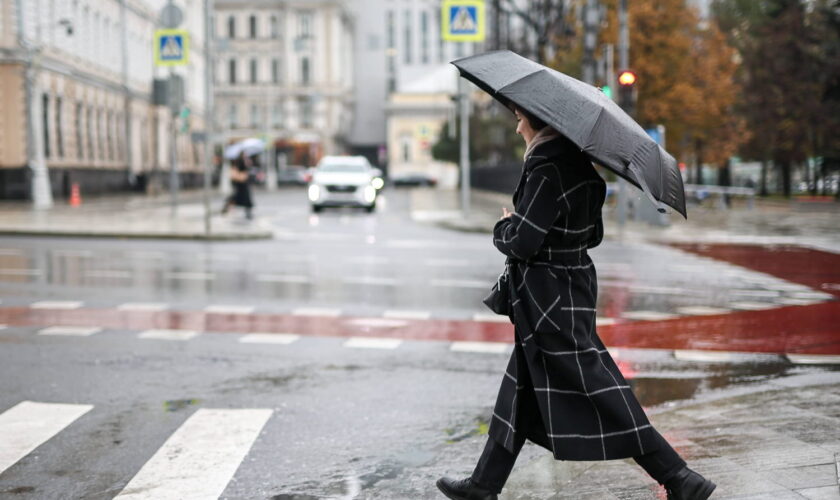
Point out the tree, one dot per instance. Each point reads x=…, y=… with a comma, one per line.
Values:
x=545, y=21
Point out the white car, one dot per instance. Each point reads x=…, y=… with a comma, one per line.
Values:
x=343, y=181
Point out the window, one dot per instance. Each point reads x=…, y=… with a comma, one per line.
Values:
x=232, y=112
x=109, y=118
x=100, y=136
x=305, y=24
x=255, y=116
x=79, y=141
x=232, y=71
x=252, y=26
x=305, y=72
x=89, y=122
x=407, y=35
x=405, y=147
x=306, y=112
x=275, y=70
x=45, y=123
x=275, y=27
x=253, y=70
x=231, y=27
x=424, y=37
x=277, y=115
x=391, y=41
x=59, y=128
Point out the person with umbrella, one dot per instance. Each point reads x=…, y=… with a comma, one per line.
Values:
x=561, y=389
x=240, y=177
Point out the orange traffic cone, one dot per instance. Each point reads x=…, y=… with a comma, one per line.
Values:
x=75, y=195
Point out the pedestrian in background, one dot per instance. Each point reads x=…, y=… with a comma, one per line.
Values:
x=561, y=390
x=240, y=176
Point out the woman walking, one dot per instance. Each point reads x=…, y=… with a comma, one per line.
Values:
x=240, y=179
x=561, y=389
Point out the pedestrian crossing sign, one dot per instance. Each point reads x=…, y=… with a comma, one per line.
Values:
x=462, y=20
x=172, y=47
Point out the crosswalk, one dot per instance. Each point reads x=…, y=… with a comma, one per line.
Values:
x=197, y=461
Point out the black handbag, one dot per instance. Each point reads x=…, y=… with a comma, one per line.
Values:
x=499, y=298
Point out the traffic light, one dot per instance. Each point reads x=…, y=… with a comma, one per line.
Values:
x=627, y=91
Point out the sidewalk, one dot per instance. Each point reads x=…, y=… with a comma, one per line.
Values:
x=769, y=222
x=780, y=441
x=130, y=216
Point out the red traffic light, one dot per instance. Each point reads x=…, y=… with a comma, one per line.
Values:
x=627, y=78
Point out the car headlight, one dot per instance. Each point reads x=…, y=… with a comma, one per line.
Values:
x=370, y=194
x=314, y=192
x=377, y=183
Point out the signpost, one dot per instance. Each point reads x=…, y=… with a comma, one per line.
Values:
x=172, y=48
x=463, y=21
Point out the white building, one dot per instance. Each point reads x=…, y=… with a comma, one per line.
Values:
x=284, y=71
x=89, y=89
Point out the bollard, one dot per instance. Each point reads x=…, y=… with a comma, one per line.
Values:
x=75, y=195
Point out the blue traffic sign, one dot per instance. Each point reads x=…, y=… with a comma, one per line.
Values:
x=171, y=47
x=463, y=20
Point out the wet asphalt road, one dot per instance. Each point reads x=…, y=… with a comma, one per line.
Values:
x=345, y=422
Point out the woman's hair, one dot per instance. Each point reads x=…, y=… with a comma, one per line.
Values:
x=535, y=122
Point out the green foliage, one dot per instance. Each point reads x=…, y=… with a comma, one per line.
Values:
x=493, y=137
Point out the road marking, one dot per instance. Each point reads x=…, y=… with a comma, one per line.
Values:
x=482, y=347
x=701, y=310
x=787, y=287
x=105, y=273
x=3, y=327
x=398, y=314
x=647, y=315
x=660, y=290
x=814, y=359
x=706, y=356
x=797, y=302
x=20, y=272
x=269, y=338
x=143, y=306
x=228, y=309
x=200, y=458
x=752, y=306
x=756, y=293
x=189, y=276
x=377, y=322
x=316, y=311
x=164, y=334
x=370, y=280
x=812, y=295
x=77, y=331
x=372, y=343
x=462, y=284
x=56, y=304
x=491, y=318
x=283, y=278
x=600, y=321
x=29, y=424
x=368, y=259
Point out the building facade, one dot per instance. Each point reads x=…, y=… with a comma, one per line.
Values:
x=284, y=72
x=76, y=80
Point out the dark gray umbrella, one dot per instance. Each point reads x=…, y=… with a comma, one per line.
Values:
x=585, y=115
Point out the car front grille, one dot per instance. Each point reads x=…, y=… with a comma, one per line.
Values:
x=341, y=189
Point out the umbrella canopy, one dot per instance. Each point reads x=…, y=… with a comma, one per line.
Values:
x=250, y=146
x=585, y=115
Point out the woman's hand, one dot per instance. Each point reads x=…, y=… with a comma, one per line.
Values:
x=505, y=213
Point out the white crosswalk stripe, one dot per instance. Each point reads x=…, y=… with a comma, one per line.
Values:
x=143, y=306
x=647, y=315
x=269, y=338
x=29, y=424
x=372, y=343
x=316, y=311
x=398, y=314
x=73, y=331
x=228, y=309
x=200, y=458
x=163, y=334
x=492, y=318
x=701, y=310
x=482, y=347
x=56, y=304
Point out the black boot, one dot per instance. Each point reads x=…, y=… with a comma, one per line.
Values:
x=689, y=485
x=464, y=489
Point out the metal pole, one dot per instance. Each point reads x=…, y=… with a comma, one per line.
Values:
x=209, y=112
x=464, y=101
x=127, y=128
x=173, y=149
x=590, y=36
x=624, y=63
x=610, y=76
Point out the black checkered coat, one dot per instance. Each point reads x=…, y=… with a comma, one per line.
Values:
x=561, y=389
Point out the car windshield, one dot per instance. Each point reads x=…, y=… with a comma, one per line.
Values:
x=337, y=167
